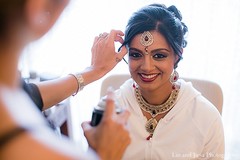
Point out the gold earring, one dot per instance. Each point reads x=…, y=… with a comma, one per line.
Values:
x=173, y=78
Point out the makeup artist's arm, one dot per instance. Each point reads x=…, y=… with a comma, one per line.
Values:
x=104, y=59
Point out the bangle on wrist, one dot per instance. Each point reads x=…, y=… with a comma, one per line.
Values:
x=80, y=82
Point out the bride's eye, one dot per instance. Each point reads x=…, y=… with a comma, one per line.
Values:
x=135, y=55
x=159, y=56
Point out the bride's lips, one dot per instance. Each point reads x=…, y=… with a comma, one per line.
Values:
x=148, y=77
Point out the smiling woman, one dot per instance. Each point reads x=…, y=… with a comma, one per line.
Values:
x=162, y=105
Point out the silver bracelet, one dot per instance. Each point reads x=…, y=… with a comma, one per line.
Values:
x=80, y=82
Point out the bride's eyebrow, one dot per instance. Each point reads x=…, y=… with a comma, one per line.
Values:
x=153, y=51
x=160, y=49
x=135, y=49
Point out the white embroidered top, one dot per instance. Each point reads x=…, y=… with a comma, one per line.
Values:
x=192, y=129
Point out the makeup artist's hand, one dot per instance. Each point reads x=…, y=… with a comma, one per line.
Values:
x=104, y=55
x=111, y=137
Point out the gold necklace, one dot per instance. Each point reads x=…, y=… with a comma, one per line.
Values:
x=155, y=110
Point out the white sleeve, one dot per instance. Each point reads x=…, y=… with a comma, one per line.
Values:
x=214, y=148
x=27, y=116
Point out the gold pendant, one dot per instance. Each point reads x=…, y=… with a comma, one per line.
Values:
x=151, y=125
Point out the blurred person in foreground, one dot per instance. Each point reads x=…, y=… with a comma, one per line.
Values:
x=30, y=137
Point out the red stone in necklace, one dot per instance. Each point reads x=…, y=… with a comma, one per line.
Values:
x=149, y=137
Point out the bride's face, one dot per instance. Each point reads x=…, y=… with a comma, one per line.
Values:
x=151, y=68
